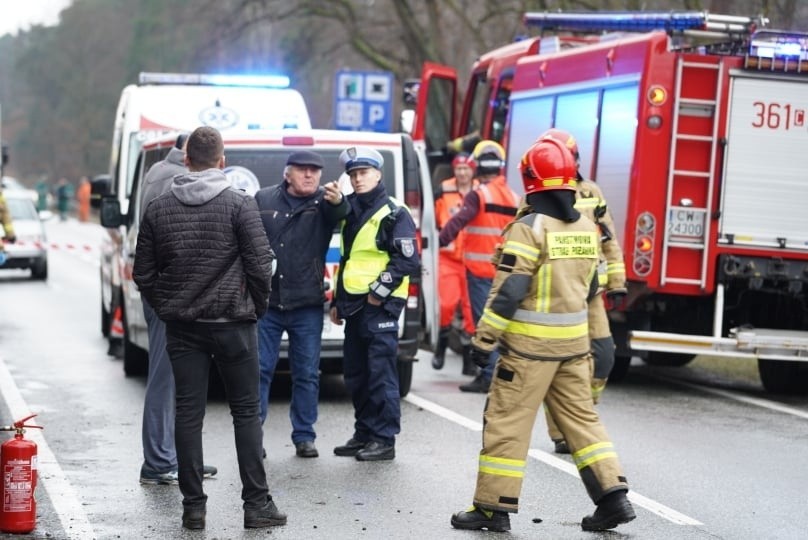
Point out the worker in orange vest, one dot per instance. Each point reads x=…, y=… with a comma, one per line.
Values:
x=83, y=197
x=485, y=213
x=453, y=288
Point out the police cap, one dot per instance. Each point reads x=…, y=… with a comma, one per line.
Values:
x=305, y=158
x=360, y=157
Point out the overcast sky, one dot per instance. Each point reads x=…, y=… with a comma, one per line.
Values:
x=21, y=14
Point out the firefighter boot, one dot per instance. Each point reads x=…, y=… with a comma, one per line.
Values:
x=440, y=350
x=468, y=364
x=475, y=519
x=612, y=510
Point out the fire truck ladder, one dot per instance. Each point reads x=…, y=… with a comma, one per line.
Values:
x=686, y=105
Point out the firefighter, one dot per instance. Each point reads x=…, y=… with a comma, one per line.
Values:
x=485, y=213
x=537, y=314
x=452, y=277
x=378, y=256
x=611, y=279
x=7, y=225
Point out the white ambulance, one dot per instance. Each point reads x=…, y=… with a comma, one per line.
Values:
x=170, y=102
x=255, y=160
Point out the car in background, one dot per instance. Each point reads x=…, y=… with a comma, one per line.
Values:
x=31, y=248
x=11, y=184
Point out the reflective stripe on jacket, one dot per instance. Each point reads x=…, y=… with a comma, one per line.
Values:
x=545, y=272
x=498, y=205
x=447, y=205
x=366, y=261
x=591, y=203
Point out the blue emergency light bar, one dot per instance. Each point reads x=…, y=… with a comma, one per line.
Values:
x=215, y=79
x=773, y=44
x=641, y=21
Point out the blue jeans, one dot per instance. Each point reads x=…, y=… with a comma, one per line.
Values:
x=478, y=294
x=157, y=432
x=233, y=346
x=304, y=327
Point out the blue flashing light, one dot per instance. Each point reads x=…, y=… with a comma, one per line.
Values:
x=619, y=20
x=773, y=44
x=215, y=79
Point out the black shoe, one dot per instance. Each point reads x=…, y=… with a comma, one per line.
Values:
x=350, y=448
x=266, y=516
x=475, y=519
x=479, y=385
x=561, y=447
x=193, y=518
x=438, y=359
x=375, y=451
x=469, y=367
x=306, y=449
x=612, y=510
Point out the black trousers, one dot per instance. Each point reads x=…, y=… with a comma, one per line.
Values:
x=233, y=347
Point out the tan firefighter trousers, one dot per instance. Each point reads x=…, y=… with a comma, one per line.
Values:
x=517, y=391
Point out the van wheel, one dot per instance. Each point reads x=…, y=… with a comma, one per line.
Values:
x=404, y=377
x=135, y=359
x=106, y=320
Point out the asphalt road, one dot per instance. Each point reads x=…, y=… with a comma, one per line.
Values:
x=707, y=454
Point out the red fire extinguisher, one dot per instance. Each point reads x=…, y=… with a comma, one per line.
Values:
x=18, y=465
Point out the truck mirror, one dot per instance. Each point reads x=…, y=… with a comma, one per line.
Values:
x=410, y=91
x=99, y=187
x=111, y=212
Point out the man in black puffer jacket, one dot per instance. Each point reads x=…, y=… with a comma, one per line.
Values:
x=203, y=262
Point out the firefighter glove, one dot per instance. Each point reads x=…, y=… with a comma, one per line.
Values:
x=616, y=298
x=480, y=357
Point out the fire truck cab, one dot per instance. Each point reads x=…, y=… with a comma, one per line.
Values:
x=693, y=125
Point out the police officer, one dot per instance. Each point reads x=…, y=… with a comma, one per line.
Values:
x=589, y=200
x=537, y=314
x=485, y=213
x=378, y=255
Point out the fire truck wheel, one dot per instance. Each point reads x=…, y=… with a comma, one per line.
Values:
x=656, y=358
x=404, y=377
x=620, y=368
x=780, y=377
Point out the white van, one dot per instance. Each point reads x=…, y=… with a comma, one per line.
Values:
x=256, y=160
x=170, y=102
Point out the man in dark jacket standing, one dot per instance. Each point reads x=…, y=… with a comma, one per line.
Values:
x=379, y=254
x=299, y=217
x=159, y=455
x=203, y=262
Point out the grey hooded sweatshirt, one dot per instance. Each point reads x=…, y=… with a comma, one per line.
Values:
x=202, y=254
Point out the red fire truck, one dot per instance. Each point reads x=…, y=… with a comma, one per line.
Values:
x=694, y=126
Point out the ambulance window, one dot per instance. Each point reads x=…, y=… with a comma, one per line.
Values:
x=577, y=113
x=500, y=106
x=478, y=90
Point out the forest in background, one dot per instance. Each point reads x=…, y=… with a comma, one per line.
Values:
x=59, y=85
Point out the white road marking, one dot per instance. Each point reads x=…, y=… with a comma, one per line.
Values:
x=758, y=402
x=651, y=505
x=62, y=495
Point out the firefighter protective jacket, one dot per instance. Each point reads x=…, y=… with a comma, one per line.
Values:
x=537, y=308
x=497, y=207
x=448, y=203
x=591, y=203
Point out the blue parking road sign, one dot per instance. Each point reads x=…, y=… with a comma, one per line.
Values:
x=363, y=101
